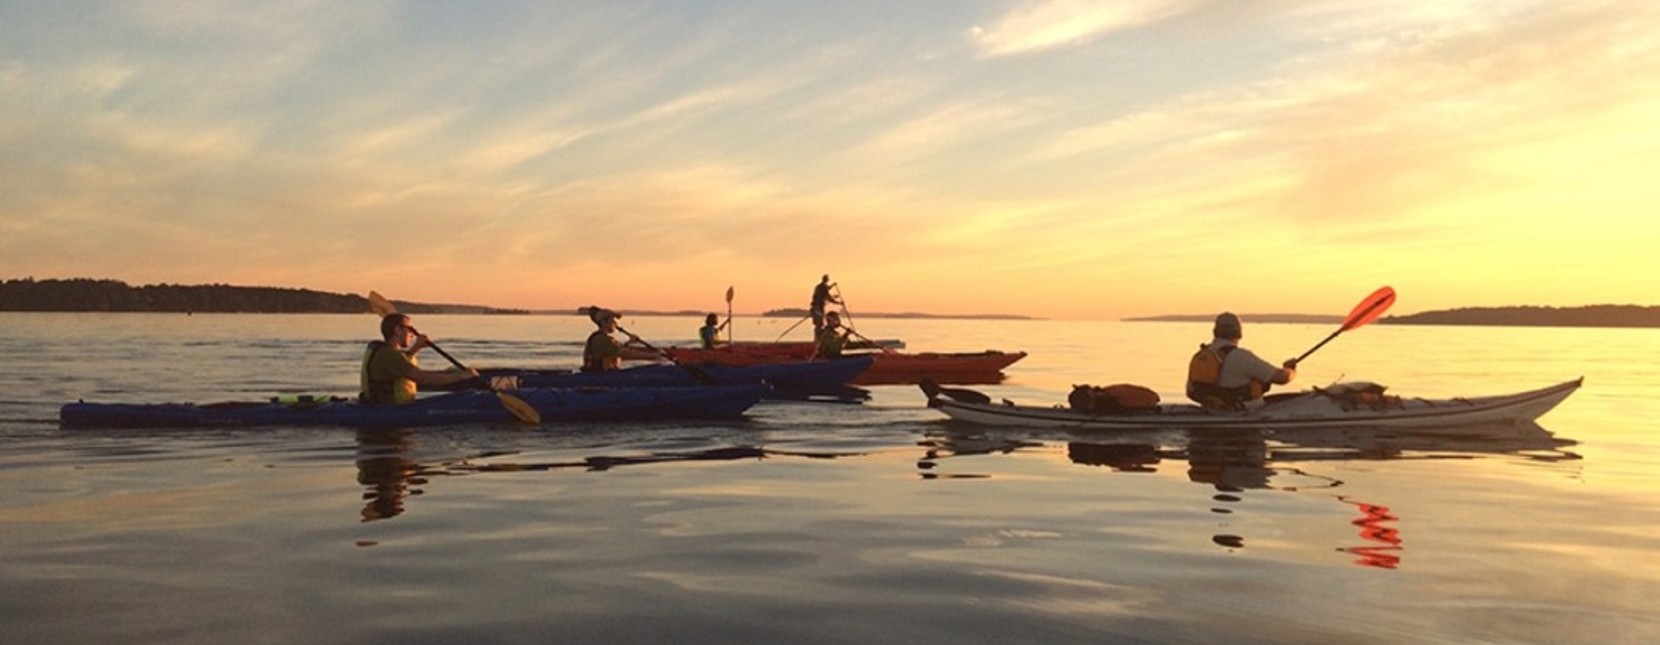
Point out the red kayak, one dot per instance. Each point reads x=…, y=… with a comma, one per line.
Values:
x=886, y=368
x=803, y=349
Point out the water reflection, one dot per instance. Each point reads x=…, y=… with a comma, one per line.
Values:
x=1232, y=462
x=1384, y=541
x=391, y=472
x=386, y=469
x=983, y=377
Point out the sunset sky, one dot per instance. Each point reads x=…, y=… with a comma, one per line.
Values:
x=1055, y=158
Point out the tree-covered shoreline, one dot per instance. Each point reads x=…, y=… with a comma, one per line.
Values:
x=1531, y=316
x=103, y=295
x=96, y=295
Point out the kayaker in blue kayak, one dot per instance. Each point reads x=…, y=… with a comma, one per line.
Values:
x=1224, y=375
x=832, y=338
x=821, y=298
x=391, y=373
x=603, y=352
x=710, y=332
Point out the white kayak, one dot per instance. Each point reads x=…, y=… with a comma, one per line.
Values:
x=1333, y=407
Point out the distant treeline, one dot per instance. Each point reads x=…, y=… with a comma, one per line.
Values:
x=1248, y=318
x=83, y=294
x=1589, y=316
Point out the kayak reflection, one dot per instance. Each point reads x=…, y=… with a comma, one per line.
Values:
x=393, y=466
x=1232, y=462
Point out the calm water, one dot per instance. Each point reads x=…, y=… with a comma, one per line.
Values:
x=810, y=523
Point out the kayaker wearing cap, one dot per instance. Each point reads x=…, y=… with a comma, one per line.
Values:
x=1224, y=375
x=821, y=297
x=831, y=338
x=602, y=352
x=391, y=373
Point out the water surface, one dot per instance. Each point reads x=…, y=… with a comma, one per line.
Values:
x=815, y=523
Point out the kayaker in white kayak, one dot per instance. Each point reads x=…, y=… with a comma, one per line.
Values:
x=603, y=352
x=391, y=373
x=1223, y=375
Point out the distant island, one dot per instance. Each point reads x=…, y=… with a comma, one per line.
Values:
x=1249, y=318
x=83, y=294
x=1524, y=316
x=101, y=295
x=1588, y=316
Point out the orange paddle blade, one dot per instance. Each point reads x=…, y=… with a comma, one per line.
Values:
x=1370, y=309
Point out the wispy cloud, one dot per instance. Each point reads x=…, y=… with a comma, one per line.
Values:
x=1048, y=24
x=638, y=149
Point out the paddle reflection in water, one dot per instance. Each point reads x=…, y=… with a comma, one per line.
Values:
x=1233, y=462
x=1373, y=523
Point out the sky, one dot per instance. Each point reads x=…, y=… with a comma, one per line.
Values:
x=1053, y=158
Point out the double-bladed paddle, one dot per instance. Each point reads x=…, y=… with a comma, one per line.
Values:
x=524, y=411
x=701, y=376
x=1367, y=311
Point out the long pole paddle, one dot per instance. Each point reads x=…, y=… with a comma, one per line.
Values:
x=524, y=411
x=885, y=349
x=1367, y=311
x=848, y=314
x=842, y=301
x=792, y=327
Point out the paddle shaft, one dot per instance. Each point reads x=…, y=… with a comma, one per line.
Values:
x=841, y=301
x=457, y=363
x=1322, y=343
x=1367, y=311
x=696, y=373
x=792, y=327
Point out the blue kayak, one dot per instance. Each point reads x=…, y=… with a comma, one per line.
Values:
x=475, y=406
x=827, y=376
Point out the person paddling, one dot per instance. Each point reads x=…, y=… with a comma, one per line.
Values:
x=821, y=298
x=709, y=334
x=832, y=338
x=1223, y=375
x=391, y=374
x=602, y=352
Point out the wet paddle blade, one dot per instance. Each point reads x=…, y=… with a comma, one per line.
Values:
x=380, y=305
x=519, y=408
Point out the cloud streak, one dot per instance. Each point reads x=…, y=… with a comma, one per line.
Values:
x=1040, y=26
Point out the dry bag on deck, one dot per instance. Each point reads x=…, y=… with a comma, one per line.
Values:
x=1113, y=399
